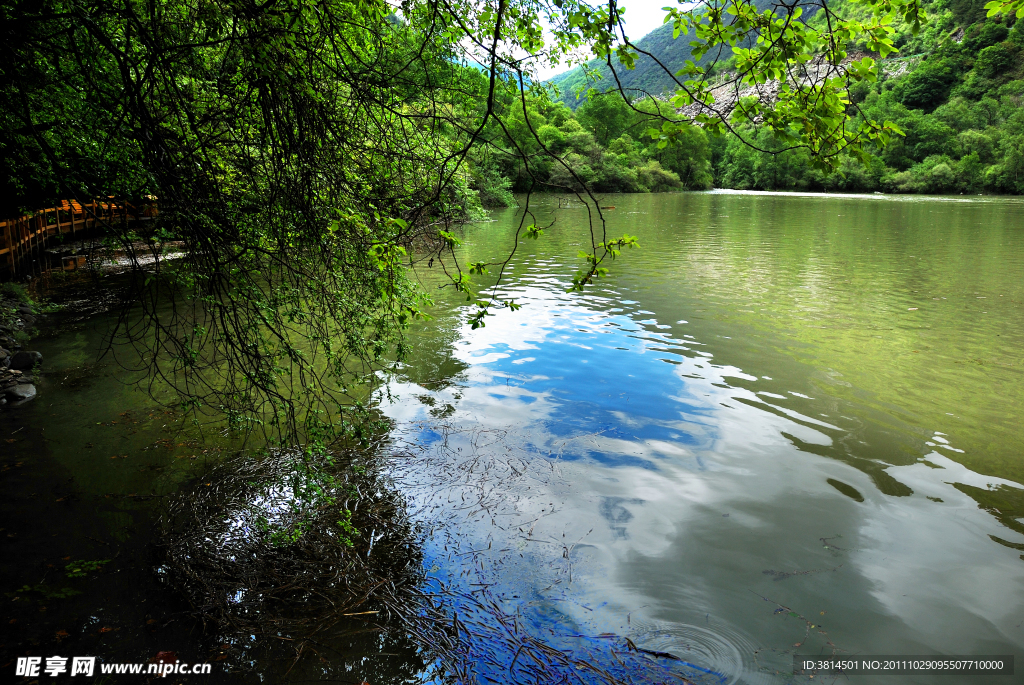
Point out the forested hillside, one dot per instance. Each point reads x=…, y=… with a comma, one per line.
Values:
x=955, y=92
x=954, y=89
x=648, y=77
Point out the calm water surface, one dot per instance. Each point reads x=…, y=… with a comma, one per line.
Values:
x=785, y=424
x=781, y=412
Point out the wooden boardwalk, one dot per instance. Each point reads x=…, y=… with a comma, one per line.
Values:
x=24, y=236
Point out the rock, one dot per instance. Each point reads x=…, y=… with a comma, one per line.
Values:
x=26, y=360
x=23, y=391
x=25, y=309
x=4, y=354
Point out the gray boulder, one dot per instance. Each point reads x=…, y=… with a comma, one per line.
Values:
x=26, y=360
x=20, y=392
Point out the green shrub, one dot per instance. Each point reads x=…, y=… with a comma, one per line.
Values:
x=552, y=137
x=983, y=35
x=17, y=292
x=994, y=60
x=656, y=179
x=927, y=86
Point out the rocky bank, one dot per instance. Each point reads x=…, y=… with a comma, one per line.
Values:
x=18, y=368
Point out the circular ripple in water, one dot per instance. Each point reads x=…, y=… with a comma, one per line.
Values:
x=716, y=653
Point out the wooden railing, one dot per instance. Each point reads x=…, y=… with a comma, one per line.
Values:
x=25, y=235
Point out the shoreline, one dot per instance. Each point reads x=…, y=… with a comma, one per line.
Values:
x=19, y=367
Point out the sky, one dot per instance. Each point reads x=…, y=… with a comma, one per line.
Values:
x=641, y=17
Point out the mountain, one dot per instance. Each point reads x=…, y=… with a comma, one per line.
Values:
x=648, y=76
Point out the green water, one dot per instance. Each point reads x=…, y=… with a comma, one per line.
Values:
x=780, y=411
x=904, y=312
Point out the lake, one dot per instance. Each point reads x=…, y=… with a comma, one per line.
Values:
x=810, y=402
x=785, y=424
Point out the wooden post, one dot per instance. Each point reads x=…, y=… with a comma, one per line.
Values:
x=33, y=223
x=10, y=246
x=40, y=236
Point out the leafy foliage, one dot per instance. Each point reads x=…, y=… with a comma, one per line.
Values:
x=663, y=53
x=957, y=103
x=784, y=73
x=83, y=567
x=305, y=153
x=603, y=147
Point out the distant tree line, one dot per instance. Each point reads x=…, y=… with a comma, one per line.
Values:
x=603, y=146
